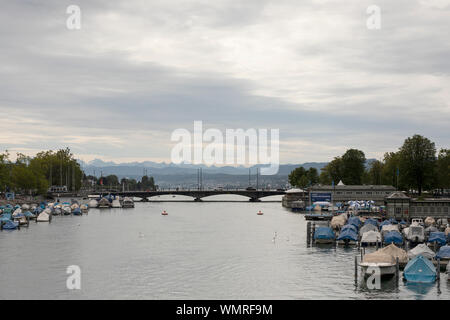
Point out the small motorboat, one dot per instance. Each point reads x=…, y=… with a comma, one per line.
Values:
x=84, y=208
x=394, y=237
x=93, y=203
x=381, y=261
x=420, y=269
x=128, y=203
x=366, y=228
x=259, y=213
x=371, y=238
x=29, y=215
x=443, y=253
x=421, y=249
x=77, y=211
x=438, y=238
x=324, y=235
x=116, y=203
x=104, y=203
x=415, y=233
x=348, y=236
x=9, y=225
x=44, y=216
x=164, y=213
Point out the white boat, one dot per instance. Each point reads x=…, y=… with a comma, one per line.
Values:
x=66, y=210
x=421, y=249
x=415, y=233
x=371, y=238
x=116, y=203
x=44, y=216
x=93, y=203
x=84, y=208
x=104, y=203
x=17, y=212
x=128, y=203
x=25, y=207
x=385, y=263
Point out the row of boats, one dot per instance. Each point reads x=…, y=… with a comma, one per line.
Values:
x=429, y=244
x=12, y=217
x=111, y=202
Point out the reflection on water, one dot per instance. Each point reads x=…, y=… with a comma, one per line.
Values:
x=199, y=251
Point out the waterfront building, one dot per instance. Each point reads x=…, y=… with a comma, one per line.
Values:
x=401, y=207
x=344, y=193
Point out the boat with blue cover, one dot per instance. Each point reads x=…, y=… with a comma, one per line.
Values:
x=394, y=237
x=420, y=269
x=324, y=235
x=443, y=253
x=348, y=236
x=438, y=237
x=9, y=225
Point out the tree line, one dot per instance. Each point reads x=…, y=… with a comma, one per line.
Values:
x=34, y=175
x=415, y=167
x=112, y=181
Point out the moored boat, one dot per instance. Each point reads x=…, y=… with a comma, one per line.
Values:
x=44, y=216
x=128, y=203
x=421, y=249
x=324, y=235
x=104, y=203
x=420, y=269
x=116, y=203
x=385, y=263
x=438, y=238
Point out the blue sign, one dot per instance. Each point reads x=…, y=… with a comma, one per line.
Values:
x=9, y=196
x=316, y=196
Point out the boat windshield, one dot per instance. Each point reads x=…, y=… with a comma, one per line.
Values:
x=416, y=230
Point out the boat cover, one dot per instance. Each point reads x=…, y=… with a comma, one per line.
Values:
x=384, y=223
x=371, y=237
x=324, y=233
x=420, y=269
x=396, y=252
x=443, y=253
x=379, y=257
x=10, y=225
x=371, y=221
x=429, y=221
x=367, y=228
x=439, y=237
x=421, y=249
x=350, y=227
x=393, y=237
x=354, y=221
x=348, y=234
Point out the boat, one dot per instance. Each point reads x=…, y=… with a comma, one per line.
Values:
x=116, y=203
x=5, y=217
x=420, y=269
x=396, y=252
x=385, y=263
x=443, y=253
x=104, y=203
x=438, y=238
x=423, y=250
x=372, y=222
x=29, y=215
x=324, y=235
x=77, y=211
x=347, y=236
x=17, y=212
x=429, y=230
x=164, y=213
x=429, y=221
x=417, y=221
x=337, y=222
x=371, y=238
x=354, y=221
x=93, y=203
x=44, y=216
x=388, y=228
x=259, y=213
x=394, y=237
x=415, y=233
x=128, y=203
x=366, y=228
x=9, y=225
x=25, y=207
x=84, y=208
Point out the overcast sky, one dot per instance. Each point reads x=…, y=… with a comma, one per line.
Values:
x=137, y=70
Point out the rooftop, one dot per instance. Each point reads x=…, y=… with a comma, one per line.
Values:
x=354, y=187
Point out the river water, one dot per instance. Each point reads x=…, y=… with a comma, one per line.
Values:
x=209, y=250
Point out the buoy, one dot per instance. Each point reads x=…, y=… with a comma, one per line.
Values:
x=259, y=213
x=164, y=213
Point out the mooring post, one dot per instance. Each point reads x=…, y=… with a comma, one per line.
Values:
x=397, y=270
x=356, y=270
x=308, y=233
x=438, y=271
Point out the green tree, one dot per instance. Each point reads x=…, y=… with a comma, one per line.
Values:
x=375, y=173
x=353, y=166
x=295, y=176
x=332, y=171
x=417, y=162
x=443, y=169
x=312, y=175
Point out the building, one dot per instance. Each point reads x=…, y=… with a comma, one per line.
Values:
x=401, y=207
x=344, y=193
